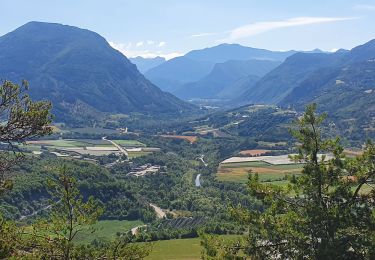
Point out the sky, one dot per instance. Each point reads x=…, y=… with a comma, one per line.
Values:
x=171, y=28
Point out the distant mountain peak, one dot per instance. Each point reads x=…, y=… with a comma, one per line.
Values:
x=145, y=64
x=342, y=51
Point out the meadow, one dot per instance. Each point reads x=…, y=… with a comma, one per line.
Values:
x=176, y=249
x=105, y=230
x=181, y=249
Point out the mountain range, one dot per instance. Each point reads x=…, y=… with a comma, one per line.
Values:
x=85, y=77
x=227, y=80
x=341, y=83
x=278, y=83
x=305, y=77
x=184, y=76
x=79, y=72
x=345, y=87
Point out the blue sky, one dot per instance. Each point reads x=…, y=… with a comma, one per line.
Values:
x=174, y=27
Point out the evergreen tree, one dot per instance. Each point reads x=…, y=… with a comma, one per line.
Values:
x=325, y=213
x=21, y=119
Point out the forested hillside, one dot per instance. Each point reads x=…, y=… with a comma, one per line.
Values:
x=79, y=72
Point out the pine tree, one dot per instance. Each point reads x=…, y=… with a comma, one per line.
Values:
x=325, y=213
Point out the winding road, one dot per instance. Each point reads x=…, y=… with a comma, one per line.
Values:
x=198, y=181
x=202, y=160
x=37, y=211
x=198, y=177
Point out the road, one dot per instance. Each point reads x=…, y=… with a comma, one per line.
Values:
x=159, y=212
x=37, y=211
x=198, y=178
x=198, y=181
x=202, y=160
x=120, y=148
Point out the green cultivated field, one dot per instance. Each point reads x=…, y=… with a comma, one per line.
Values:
x=129, y=143
x=88, y=142
x=106, y=230
x=76, y=145
x=181, y=249
x=137, y=154
x=238, y=172
x=245, y=164
x=176, y=249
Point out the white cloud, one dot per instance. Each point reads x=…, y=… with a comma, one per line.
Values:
x=161, y=44
x=120, y=46
x=365, y=7
x=262, y=27
x=149, y=42
x=204, y=34
x=139, y=44
x=171, y=55
x=129, y=52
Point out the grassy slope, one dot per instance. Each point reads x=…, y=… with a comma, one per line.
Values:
x=106, y=230
x=182, y=249
x=176, y=249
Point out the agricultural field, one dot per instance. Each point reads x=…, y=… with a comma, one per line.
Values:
x=352, y=152
x=176, y=249
x=106, y=230
x=137, y=154
x=275, y=160
x=238, y=171
x=129, y=143
x=254, y=152
x=95, y=147
x=204, y=129
x=191, y=139
x=181, y=249
x=59, y=143
x=272, y=144
x=92, y=130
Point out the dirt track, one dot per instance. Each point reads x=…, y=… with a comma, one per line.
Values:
x=159, y=212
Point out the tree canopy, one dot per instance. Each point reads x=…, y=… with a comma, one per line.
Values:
x=21, y=119
x=325, y=213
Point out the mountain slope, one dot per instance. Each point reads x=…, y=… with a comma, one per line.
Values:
x=145, y=64
x=352, y=71
x=345, y=90
x=353, y=76
x=197, y=64
x=174, y=73
x=219, y=82
x=78, y=71
x=277, y=84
